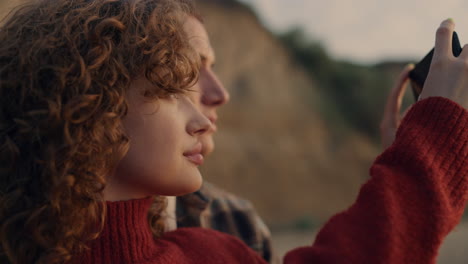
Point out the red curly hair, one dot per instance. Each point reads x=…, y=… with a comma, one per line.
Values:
x=65, y=67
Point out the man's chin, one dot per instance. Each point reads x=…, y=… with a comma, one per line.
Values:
x=207, y=145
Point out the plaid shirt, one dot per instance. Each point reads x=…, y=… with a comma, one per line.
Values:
x=213, y=208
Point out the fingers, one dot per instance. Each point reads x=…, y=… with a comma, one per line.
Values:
x=464, y=54
x=400, y=87
x=406, y=111
x=393, y=106
x=391, y=118
x=443, y=43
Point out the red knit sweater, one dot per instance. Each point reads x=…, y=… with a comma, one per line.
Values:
x=416, y=194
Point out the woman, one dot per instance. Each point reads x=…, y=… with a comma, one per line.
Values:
x=97, y=121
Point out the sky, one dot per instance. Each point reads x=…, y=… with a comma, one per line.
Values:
x=366, y=31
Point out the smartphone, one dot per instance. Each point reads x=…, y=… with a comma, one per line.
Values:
x=419, y=74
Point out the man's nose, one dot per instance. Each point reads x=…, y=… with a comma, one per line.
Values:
x=213, y=91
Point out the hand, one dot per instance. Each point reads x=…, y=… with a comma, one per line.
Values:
x=448, y=75
x=392, y=118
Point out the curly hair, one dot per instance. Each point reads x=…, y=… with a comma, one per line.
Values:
x=65, y=68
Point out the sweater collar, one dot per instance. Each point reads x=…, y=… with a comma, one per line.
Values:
x=126, y=236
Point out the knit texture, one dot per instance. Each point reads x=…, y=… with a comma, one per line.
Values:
x=127, y=238
x=416, y=195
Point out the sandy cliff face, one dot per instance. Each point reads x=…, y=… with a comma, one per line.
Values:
x=273, y=147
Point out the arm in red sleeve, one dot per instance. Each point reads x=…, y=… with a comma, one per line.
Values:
x=416, y=195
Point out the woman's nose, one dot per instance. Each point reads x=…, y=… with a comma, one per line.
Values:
x=199, y=123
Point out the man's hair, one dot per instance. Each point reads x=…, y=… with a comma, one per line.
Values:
x=65, y=67
x=193, y=10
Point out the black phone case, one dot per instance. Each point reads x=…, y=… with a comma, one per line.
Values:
x=419, y=74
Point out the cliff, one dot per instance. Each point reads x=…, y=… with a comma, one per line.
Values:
x=273, y=145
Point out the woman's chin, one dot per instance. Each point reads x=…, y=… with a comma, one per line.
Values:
x=183, y=186
x=190, y=188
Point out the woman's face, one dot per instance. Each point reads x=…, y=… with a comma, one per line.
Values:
x=165, y=147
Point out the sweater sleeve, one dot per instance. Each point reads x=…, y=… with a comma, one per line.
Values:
x=416, y=195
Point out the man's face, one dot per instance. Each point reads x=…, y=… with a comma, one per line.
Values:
x=209, y=92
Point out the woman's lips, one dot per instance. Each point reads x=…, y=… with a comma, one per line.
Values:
x=195, y=155
x=197, y=159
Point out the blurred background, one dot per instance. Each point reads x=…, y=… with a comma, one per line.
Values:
x=308, y=81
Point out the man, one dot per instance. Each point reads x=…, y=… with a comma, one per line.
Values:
x=212, y=207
